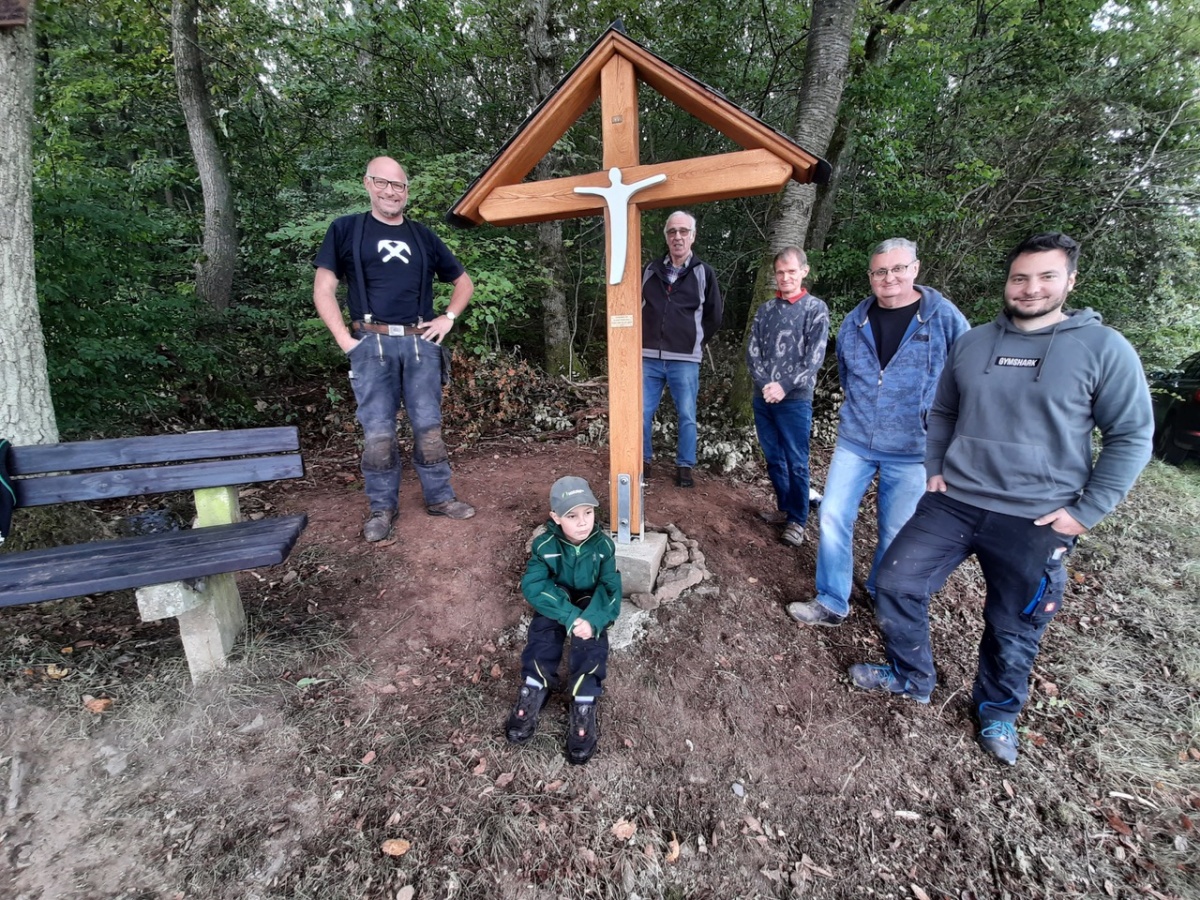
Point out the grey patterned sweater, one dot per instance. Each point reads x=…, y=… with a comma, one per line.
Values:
x=787, y=344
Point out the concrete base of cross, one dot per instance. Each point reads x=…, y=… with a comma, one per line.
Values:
x=639, y=561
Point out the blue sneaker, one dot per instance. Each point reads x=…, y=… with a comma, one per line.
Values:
x=870, y=677
x=999, y=739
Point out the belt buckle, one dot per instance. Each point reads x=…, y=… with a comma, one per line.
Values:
x=395, y=331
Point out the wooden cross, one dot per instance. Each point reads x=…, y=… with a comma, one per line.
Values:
x=612, y=69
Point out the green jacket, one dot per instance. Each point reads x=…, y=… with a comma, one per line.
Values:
x=558, y=570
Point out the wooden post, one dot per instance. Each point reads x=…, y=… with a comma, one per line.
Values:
x=619, y=118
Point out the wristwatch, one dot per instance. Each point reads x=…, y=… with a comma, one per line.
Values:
x=450, y=315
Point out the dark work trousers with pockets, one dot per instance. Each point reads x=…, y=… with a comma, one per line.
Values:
x=588, y=661
x=1024, y=567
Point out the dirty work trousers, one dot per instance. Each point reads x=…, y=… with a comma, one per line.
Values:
x=1023, y=566
x=386, y=372
x=588, y=662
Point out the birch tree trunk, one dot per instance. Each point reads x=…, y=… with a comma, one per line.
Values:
x=826, y=68
x=214, y=270
x=26, y=409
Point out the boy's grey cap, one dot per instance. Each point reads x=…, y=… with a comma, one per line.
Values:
x=569, y=492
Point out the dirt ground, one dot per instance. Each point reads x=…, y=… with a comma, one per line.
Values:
x=367, y=705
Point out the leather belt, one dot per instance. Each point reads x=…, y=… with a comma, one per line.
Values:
x=390, y=330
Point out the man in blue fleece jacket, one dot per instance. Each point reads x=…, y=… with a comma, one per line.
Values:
x=890, y=352
x=1011, y=479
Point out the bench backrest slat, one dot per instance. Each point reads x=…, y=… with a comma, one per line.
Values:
x=140, y=451
x=91, y=470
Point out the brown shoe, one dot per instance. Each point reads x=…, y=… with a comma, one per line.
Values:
x=773, y=516
x=453, y=509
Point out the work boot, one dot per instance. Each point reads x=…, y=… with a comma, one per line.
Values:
x=378, y=525
x=453, y=509
x=999, y=740
x=523, y=720
x=683, y=477
x=583, y=730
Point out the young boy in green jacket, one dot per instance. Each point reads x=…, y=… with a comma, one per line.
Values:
x=572, y=582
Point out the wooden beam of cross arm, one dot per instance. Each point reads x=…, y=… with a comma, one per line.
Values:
x=699, y=180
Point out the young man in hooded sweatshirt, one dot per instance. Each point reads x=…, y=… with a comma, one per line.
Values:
x=1011, y=479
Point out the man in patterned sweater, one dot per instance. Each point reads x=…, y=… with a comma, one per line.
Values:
x=787, y=347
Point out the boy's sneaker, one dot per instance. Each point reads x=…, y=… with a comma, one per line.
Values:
x=583, y=730
x=813, y=613
x=870, y=677
x=522, y=721
x=773, y=516
x=999, y=739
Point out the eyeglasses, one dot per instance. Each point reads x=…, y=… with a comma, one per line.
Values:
x=678, y=232
x=382, y=184
x=894, y=270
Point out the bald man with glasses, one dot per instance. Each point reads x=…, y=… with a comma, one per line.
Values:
x=394, y=340
x=681, y=311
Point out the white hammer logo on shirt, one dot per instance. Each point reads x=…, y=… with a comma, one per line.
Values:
x=395, y=250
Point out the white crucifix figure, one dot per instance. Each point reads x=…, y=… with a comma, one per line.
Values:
x=616, y=197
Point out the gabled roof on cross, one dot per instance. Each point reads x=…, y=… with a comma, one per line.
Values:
x=580, y=88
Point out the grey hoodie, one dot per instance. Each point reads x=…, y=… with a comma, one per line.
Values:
x=1011, y=425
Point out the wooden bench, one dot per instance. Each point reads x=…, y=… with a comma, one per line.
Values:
x=187, y=574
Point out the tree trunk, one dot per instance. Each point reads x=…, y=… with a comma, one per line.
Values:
x=26, y=408
x=542, y=51
x=214, y=270
x=826, y=68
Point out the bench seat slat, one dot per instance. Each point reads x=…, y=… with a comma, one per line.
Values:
x=140, y=451
x=154, y=480
x=99, y=566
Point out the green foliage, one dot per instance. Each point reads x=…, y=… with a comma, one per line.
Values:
x=976, y=126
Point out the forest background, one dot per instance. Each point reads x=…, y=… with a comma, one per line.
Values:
x=964, y=126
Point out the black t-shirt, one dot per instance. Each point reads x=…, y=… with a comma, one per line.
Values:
x=888, y=326
x=398, y=265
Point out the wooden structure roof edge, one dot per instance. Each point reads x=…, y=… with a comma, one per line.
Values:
x=579, y=89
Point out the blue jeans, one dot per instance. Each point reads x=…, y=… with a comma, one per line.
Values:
x=901, y=485
x=683, y=378
x=783, y=433
x=385, y=372
x=1024, y=567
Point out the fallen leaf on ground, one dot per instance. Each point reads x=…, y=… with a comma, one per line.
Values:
x=369, y=758
x=624, y=829
x=406, y=893
x=918, y=892
x=673, y=849
x=395, y=847
x=97, y=704
x=53, y=671
x=481, y=768
x=505, y=779
x=496, y=670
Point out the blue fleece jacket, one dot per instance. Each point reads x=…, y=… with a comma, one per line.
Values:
x=884, y=409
